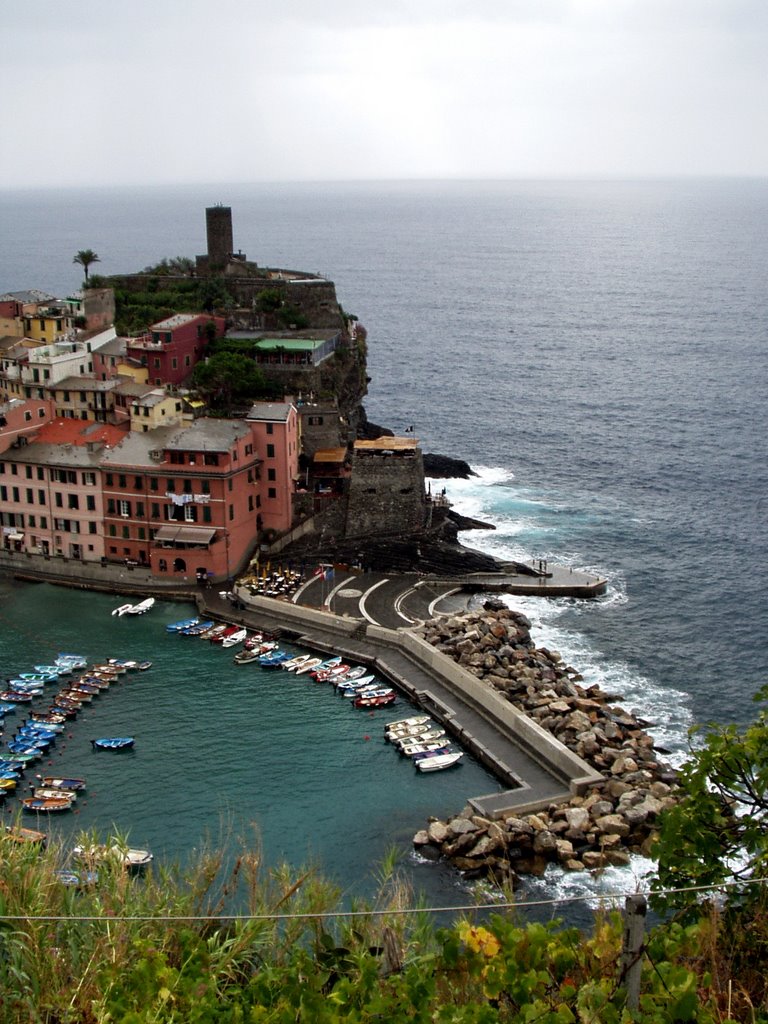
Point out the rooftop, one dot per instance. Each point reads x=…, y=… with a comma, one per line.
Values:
x=387, y=444
x=271, y=412
x=177, y=320
x=31, y=295
x=64, y=430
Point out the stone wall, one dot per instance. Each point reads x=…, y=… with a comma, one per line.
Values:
x=98, y=308
x=603, y=823
x=386, y=495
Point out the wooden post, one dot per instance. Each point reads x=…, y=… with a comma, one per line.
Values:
x=635, y=909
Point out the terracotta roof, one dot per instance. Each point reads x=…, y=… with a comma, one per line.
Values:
x=329, y=455
x=387, y=444
x=71, y=431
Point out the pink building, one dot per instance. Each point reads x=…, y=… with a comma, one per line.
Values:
x=275, y=427
x=50, y=490
x=21, y=419
x=174, y=346
x=183, y=500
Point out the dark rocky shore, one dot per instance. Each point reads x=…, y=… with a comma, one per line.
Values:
x=602, y=827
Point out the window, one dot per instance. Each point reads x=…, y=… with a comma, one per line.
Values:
x=271, y=492
x=231, y=512
x=4, y=493
x=30, y=496
x=72, y=501
x=271, y=475
x=29, y=472
x=190, y=513
x=66, y=396
x=125, y=508
x=90, y=503
x=111, y=506
x=43, y=522
x=89, y=478
x=270, y=451
x=139, y=509
x=205, y=487
x=250, y=503
x=155, y=510
x=31, y=521
x=40, y=473
x=171, y=488
x=138, y=482
x=153, y=483
x=206, y=513
x=27, y=415
x=122, y=480
x=92, y=527
x=108, y=480
x=187, y=488
x=249, y=449
x=126, y=533
x=142, y=533
x=58, y=499
x=40, y=497
x=211, y=459
x=270, y=428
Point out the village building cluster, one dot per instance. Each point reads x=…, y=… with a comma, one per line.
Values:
x=106, y=456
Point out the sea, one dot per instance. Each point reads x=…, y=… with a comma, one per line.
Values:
x=595, y=350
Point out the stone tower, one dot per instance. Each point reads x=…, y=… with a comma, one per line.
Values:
x=218, y=224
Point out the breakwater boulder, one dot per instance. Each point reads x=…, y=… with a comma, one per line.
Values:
x=598, y=828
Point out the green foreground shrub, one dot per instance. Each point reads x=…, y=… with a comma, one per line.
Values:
x=155, y=948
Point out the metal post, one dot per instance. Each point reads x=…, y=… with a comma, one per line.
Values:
x=635, y=909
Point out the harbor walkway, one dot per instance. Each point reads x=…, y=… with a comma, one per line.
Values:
x=532, y=768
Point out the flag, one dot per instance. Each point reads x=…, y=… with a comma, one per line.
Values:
x=328, y=574
x=410, y=430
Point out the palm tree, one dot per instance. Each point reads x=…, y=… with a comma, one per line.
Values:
x=85, y=258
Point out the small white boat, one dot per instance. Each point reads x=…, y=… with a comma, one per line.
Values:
x=439, y=762
x=234, y=638
x=293, y=663
x=413, y=720
x=308, y=666
x=425, y=737
x=123, y=609
x=141, y=607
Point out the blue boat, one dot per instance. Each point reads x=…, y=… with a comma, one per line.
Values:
x=113, y=743
x=273, y=658
x=6, y=708
x=176, y=627
x=197, y=629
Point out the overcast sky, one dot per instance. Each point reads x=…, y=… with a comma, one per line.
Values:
x=164, y=91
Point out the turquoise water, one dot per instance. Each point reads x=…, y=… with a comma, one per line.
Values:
x=223, y=748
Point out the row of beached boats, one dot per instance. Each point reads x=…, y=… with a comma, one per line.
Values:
x=424, y=742
x=78, y=685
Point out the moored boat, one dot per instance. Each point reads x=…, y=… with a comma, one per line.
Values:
x=113, y=743
x=47, y=805
x=378, y=700
x=235, y=638
x=176, y=627
x=129, y=857
x=25, y=835
x=141, y=607
x=308, y=666
x=296, y=662
x=57, y=782
x=411, y=720
x=52, y=793
x=437, y=762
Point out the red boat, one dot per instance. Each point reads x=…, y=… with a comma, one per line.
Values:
x=375, y=700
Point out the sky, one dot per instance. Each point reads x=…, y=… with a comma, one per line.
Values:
x=99, y=92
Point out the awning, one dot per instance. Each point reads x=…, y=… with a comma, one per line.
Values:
x=184, y=535
x=15, y=536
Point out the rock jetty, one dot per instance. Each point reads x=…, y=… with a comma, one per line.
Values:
x=601, y=827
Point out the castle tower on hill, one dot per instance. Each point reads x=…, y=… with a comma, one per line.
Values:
x=218, y=225
x=221, y=247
